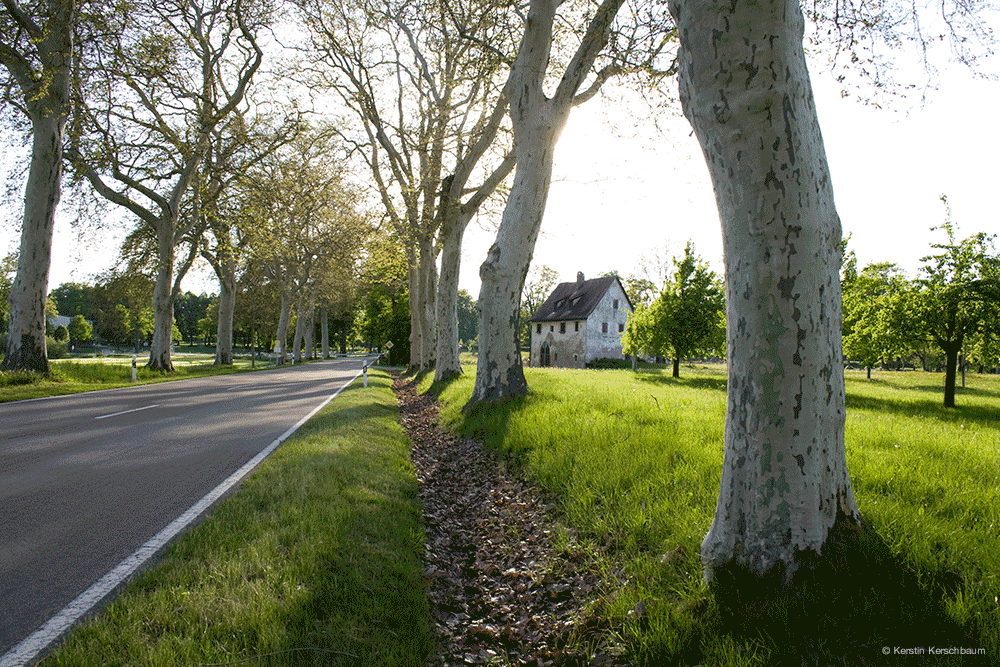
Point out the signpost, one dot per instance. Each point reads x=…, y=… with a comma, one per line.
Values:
x=388, y=355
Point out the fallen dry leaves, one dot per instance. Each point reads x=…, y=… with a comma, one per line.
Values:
x=498, y=590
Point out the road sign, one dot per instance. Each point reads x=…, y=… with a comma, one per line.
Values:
x=388, y=345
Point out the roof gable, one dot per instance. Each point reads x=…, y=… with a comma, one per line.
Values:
x=576, y=300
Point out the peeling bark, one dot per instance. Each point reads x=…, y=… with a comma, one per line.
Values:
x=227, y=311
x=745, y=89
x=324, y=332
x=46, y=98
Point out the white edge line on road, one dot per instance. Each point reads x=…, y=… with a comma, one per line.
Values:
x=38, y=641
x=125, y=412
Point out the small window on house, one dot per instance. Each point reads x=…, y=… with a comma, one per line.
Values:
x=576, y=326
x=604, y=327
x=615, y=304
x=538, y=328
x=552, y=328
x=621, y=327
x=555, y=357
x=576, y=357
x=562, y=327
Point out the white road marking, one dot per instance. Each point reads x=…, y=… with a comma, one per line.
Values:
x=125, y=412
x=39, y=640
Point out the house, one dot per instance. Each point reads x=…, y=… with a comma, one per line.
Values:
x=580, y=322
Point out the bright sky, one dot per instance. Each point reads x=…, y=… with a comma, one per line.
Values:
x=617, y=197
x=621, y=190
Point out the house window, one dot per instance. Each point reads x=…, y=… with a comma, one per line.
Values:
x=552, y=328
x=604, y=327
x=576, y=326
x=538, y=328
x=576, y=357
x=555, y=357
x=562, y=327
x=615, y=304
x=621, y=327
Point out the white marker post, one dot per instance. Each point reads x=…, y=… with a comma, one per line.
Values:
x=133, y=367
x=366, y=374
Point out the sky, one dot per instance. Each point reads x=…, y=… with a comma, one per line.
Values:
x=623, y=190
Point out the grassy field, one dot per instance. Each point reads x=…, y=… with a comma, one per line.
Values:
x=71, y=376
x=635, y=461
x=314, y=560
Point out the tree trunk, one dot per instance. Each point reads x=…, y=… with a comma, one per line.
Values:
x=281, y=336
x=745, y=89
x=26, y=341
x=46, y=96
x=324, y=332
x=869, y=369
x=951, y=351
x=537, y=122
x=308, y=333
x=447, y=363
x=300, y=322
x=426, y=299
x=163, y=302
x=677, y=367
x=413, y=277
x=227, y=311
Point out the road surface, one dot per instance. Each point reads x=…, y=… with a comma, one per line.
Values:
x=87, y=479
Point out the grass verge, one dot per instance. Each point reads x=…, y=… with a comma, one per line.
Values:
x=313, y=560
x=635, y=460
x=72, y=377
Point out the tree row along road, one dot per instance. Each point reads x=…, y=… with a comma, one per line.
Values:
x=86, y=479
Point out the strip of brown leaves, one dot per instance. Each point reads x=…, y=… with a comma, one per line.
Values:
x=499, y=592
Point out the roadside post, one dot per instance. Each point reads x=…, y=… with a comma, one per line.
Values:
x=388, y=354
x=133, y=368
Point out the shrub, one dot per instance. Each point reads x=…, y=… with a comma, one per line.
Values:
x=607, y=362
x=57, y=349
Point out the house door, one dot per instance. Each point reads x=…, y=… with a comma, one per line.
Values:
x=544, y=354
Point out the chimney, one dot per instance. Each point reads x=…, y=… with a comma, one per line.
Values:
x=579, y=277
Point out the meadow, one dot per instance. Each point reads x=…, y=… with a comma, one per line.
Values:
x=634, y=460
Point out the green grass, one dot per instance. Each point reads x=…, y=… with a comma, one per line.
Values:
x=635, y=462
x=314, y=560
x=70, y=376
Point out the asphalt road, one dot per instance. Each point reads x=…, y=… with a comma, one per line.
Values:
x=86, y=479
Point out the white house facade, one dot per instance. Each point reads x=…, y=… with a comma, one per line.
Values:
x=580, y=322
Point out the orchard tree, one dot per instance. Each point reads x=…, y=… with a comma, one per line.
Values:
x=953, y=298
x=36, y=47
x=874, y=303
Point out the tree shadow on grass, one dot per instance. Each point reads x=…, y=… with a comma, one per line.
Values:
x=712, y=383
x=979, y=414
x=856, y=604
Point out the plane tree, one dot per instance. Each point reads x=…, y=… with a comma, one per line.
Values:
x=168, y=73
x=37, y=49
x=425, y=81
x=554, y=70
x=745, y=89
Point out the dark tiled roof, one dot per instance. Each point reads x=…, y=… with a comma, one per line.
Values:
x=574, y=301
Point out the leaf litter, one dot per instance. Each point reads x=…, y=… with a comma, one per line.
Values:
x=500, y=592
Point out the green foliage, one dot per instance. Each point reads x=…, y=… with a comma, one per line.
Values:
x=874, y=305
x=61, y=334
x=55, y=348
x=468, y=316
x=79, y=329
x=686, y=319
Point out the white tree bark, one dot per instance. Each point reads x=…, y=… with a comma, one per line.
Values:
x=324, y=331
x=46, y=99
x=537, y=122
x=227, y=311
x=281, y=336
x=745, y=89
x=446, y=363
x=300, y=326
